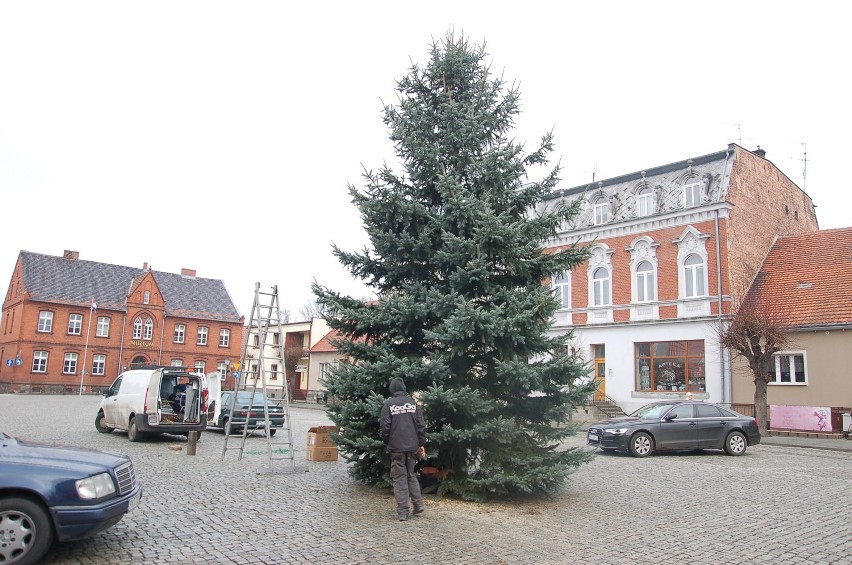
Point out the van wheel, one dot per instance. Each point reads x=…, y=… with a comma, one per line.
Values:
x=100, y=425
x=133, y=433
x=27, y=531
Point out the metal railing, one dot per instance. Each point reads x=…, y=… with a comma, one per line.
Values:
x=603, y=403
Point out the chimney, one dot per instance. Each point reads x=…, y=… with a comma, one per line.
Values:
x=145, y=266
x=760, y=152
x=189, y=273
x=73, y=255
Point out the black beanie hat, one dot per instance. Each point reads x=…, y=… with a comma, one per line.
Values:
x=396, y=385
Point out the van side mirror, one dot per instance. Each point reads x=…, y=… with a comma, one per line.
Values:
x=670, y=417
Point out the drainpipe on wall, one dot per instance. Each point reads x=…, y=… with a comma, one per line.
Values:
x=123, y=330
x=162, y=337
x=723, y=367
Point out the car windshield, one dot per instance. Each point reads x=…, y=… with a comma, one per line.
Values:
x=652, y=411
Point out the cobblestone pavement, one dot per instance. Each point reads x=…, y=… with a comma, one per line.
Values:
x=776, y=504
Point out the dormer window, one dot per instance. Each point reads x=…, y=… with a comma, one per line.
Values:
x=601, y=211
x=645, y=202
x=692, y=194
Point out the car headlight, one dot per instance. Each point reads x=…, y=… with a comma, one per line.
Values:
x=95, y=487
x=616, y=431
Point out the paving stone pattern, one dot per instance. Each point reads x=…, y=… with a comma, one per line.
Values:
x=775, y=505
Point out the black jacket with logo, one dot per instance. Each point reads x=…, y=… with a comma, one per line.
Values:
x=401, y=425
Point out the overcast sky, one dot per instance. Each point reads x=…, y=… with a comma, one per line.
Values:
x=220, y=136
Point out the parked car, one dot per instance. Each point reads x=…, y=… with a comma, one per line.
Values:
x=54, y=493
x=248, y=408
x=676, y=425
x=154, y=400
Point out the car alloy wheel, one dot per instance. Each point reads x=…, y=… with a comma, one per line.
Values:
x=735, y=443
x=641, y=445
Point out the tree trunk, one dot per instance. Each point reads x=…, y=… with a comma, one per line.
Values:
x=761, y=410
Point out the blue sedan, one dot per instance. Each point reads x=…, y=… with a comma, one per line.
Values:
x=57, y=493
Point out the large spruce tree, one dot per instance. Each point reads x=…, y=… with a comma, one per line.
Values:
x=458, y=263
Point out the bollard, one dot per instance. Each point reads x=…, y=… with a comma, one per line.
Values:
x=192, y=442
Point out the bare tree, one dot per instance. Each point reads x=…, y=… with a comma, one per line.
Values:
x=292, y=355
x=312, y=310
x=756, y=332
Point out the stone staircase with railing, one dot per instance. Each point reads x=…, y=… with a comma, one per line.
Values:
x=596, y=407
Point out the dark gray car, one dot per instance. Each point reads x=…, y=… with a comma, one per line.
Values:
x=676, y=425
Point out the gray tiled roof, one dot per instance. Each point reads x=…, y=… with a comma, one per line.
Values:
x=73, y=281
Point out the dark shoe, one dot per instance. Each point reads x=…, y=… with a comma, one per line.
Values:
x=403, y=517
x=419, y=509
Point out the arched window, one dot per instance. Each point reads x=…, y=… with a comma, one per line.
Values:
x=646, y=286
x=601, y=211
x=600, y=282
x=149, y=329
x=645, y=202
x=693, y=273
x=562, y=289
x=137, y=328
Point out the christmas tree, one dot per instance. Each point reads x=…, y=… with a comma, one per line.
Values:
x=458, y=264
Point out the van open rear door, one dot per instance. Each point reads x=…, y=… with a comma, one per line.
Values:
x=152, y=397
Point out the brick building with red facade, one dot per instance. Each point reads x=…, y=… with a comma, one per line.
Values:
x=671, y=248
x=70, y=325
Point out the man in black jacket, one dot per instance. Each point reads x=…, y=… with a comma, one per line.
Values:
x=402, y=427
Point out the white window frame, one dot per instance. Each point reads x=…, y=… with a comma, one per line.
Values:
x=199, y=366
x=645, y=202
x=180, y=333
x=98, y=365
x=146, y=297
x=325, y=370
x=69, y=365
x=75, y=324
x=45, y=321
x=562, y=289
x=692, y=194
x=102, y=329
x=201, y=336
x=137, y=328
x=789, y=357
x=646, y=283
x=601, y=287
x=601, y=211
x=222, y=369
x=224, y=337
x=149, y=329
x=39, y=362
x=694, y=277
x=177, y=362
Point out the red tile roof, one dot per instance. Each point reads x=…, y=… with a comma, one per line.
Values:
x=808, y=279
x=324, y=345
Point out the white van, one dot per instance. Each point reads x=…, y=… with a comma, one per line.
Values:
x=155, y=400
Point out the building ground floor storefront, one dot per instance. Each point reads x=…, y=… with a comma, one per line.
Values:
x=636, y=364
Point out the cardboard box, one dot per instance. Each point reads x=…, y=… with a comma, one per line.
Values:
x=322, y=454
x=318, y=436
x=320, y=446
